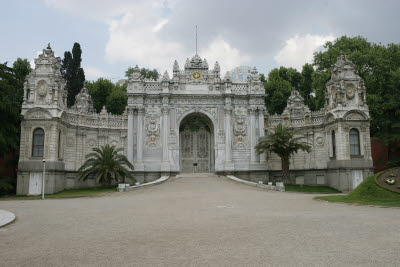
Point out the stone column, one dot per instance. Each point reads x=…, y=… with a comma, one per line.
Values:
x=261, y=130
x=252, y=135
x=130, y=135
x=139, y=166
x=164, y=137
x=229, y=166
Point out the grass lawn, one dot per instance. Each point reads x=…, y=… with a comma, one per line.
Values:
x=66, y=193
x=311, y=189
x=367, y=193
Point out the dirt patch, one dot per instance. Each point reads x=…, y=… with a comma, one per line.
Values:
x=390, y=180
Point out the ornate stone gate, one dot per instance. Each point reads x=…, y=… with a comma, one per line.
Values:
x=196, y=144
x=156, y=137
x=157, y=112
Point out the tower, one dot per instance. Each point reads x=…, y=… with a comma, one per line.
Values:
x=43, y=126
x=347, y=123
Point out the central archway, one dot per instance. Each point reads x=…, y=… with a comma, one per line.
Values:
x=196, y=144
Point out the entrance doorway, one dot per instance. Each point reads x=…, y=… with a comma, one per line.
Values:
x=196, y=144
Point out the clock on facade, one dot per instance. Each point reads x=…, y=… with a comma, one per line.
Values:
x=196, y=75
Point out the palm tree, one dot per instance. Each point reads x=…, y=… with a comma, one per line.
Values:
x=283, y=142
x=106, y=164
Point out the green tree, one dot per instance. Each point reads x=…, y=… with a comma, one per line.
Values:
x=116, y=101
x=72, y=72
x=11, y=92
x=100, y=90
x=305, y=88
x=146, y=73
x=319, y=80
x=283, y=142
x=278, y=91
x=10, y=109
x=22, y=67
x=105, y=164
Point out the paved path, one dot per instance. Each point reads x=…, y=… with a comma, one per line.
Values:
x=205, y=221
x=6, y=217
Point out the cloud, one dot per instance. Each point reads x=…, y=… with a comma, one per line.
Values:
x=134, y=38
x=153, y=33
x=93, y=73
x=228, y=57
x=299, y=49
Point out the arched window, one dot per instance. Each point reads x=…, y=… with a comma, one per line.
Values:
x=333, y=144
x=354, y=142
x=38, y=143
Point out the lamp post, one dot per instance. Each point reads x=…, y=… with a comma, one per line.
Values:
x=44, y=171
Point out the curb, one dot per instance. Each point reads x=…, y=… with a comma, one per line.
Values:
x=6, y=217
x=156, y=182
x=263, y=186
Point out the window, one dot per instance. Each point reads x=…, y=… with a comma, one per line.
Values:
x=59, y=144
x=38, y=143
x=354, y=142
x=333, y=144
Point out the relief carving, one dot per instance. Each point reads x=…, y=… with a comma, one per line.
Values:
x=239, y=128
x=153, y=130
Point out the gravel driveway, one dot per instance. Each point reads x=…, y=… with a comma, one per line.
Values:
x=205, y=221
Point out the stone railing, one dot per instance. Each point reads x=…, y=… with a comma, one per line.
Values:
x=317, y=118
x=97, y=120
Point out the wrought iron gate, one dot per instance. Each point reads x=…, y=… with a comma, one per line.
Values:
x=195, y=150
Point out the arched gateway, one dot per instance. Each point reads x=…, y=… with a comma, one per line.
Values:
x=196, y=144
x=195, y=121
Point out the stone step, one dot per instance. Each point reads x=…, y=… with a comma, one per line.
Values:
x=196, y=175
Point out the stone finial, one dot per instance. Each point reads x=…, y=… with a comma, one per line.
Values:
x=228, y=77
x=187, y=64
x=83, y=101
x=165, y=76
x=103, y=111
x=205, y=63
x=48, y=46
x=295, y=104
x=217, y=68
x=136, y=73
x=176, y=67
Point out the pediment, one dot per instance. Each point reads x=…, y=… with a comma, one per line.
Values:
x=37, y=113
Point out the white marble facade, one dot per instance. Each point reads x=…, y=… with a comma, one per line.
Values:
x=156, y=135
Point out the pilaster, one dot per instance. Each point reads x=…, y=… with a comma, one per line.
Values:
x=130, y=135
x=139, y=165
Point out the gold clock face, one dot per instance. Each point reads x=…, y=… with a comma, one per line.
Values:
x=196, y=75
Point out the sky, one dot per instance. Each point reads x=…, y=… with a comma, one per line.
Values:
x=117, y=34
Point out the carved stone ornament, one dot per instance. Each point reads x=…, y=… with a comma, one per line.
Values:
x=319, y=139
x=91, y=143
x=70, y=141
x=37, y=114
x=350, y=90
x=42, y=88
x=240, y=132
x=354, y=116
x=239, y=128
x=152, y=130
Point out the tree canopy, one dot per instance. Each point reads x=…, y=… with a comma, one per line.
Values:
x=72, y=72
x=105, y=93
x=106, y=164
x=284, y=142
x=146, y=73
